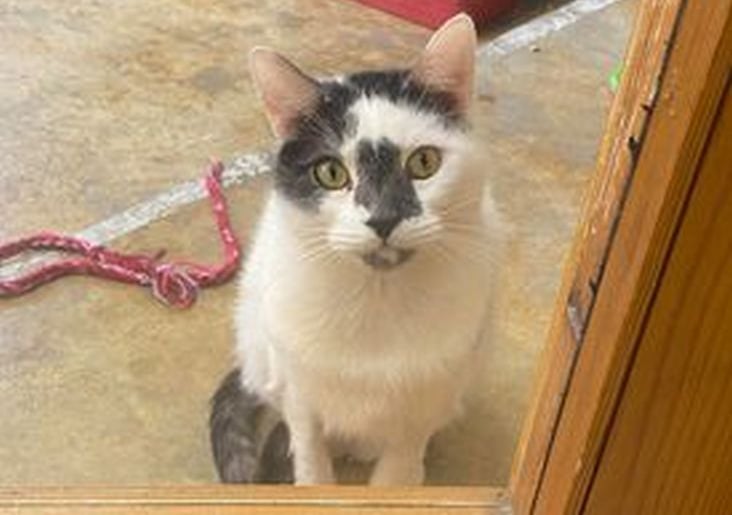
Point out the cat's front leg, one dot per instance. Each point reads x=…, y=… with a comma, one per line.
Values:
x=311, y=458
x=401, y=463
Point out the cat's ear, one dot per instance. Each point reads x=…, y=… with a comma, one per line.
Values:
x=448, y=61
x=286, y=91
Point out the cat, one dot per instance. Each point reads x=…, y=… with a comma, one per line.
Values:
x=368, y=286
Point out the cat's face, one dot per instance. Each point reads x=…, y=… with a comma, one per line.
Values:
x=373, y=160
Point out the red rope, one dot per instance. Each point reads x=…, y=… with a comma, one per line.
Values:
x=175, y=284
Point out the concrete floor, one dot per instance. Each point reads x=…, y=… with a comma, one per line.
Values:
x=108, y=103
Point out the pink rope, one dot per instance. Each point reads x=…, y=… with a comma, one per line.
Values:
x=175, y=284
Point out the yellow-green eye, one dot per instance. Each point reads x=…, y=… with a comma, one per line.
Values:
x=423, y=162
x=330, y=174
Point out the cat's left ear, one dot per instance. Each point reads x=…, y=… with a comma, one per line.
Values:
x=286, y=91
x=448, y=61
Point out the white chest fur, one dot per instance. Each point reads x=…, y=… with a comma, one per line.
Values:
x=370, y=351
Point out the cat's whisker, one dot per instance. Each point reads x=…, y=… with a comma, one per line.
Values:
x=431, y=226
x=309, y=243
x=314, y=249
x=345, y=235
x=419, y=237
x=460, y=204
x=453, y=257
x=468, y=233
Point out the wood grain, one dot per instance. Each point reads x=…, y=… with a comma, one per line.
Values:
x=626, y=122
x=670, y=446
x=185, y=499
x=688, y=97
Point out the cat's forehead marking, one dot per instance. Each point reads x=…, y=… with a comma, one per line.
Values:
x=394, y=106
x=376, y=161
x=400, y=87
x=371, y=106
x=382, y=187
x=341, y=97
x=378, y=118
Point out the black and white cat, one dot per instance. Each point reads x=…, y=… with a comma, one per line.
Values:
x=366, y=292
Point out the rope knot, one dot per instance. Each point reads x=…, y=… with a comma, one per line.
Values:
x=96, y=253
x=172, y=285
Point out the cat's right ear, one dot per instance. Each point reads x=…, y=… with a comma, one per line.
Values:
x=285, y=91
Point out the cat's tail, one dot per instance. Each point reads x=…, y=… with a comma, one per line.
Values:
x=250, y=442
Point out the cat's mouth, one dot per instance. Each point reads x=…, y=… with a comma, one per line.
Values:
x=387, y=258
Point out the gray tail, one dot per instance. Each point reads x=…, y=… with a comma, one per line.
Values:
x=250, y=442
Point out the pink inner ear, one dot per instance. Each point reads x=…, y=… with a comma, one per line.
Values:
x=448, y=61
x=286, y=91
x=281, y=119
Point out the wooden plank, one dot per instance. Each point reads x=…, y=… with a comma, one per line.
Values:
x=690, y=91
x=670, y=447
x=255, y=499
x=626, y=122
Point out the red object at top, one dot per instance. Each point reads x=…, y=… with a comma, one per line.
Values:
x=433, y=13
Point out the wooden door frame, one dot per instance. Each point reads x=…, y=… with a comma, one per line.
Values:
x=675, y=72
x=585, y=269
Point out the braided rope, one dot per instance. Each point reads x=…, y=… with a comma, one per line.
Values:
x=175, y=284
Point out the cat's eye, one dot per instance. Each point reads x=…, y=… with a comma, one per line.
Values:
x=423, y=162
x=331, y=174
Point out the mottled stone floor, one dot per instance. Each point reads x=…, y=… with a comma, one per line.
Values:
x=109, y=103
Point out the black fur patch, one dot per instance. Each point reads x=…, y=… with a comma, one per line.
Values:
x=383, y=187
x=321, y=132
x=316, y=135
x=276, y=462
x=235, y=415
x=400, y=87
x=233, y=429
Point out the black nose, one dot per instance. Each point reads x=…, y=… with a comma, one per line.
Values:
x=383, y=226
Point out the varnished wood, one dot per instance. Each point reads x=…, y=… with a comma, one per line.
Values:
x=688, y=98
x=254, y=499
x=670, y=445
x=626, y=122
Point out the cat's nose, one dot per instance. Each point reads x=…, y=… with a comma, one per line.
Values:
x=383, y=226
